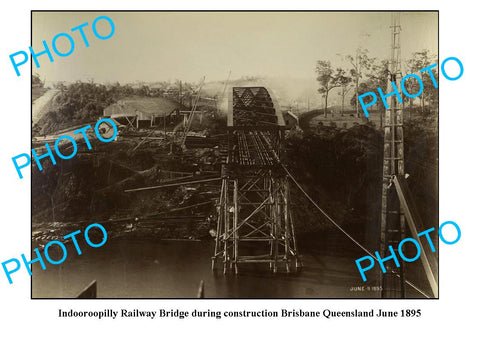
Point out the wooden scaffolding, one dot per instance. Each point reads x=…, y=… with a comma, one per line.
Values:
x=254, y=222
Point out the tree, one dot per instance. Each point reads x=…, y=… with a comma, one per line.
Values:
x=36, y=81
x=411, y=85
x=377, y=76
x=327, y=80
x=344, y=83
x=60, y=86
x=430, y=91
x=359, y=62
x=419, y=61
x=144, y=91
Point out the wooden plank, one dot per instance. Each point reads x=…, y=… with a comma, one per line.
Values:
x=174, y=184
x=413, y=229
x=201, y=290
x=89, y=292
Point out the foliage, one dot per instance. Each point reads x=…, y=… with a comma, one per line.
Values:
x=341, y=171
x=329, y=79
x=368, y=74
x=82, y=102
x=344, y=82
x=360, y=62
x=36, y=81
x=377, y=76
x=378, y=73
x=417, y=62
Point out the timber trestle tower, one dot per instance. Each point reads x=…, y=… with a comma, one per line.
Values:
x=254, y=223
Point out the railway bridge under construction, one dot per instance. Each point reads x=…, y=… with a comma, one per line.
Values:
x=255, y=223
x=254, y=204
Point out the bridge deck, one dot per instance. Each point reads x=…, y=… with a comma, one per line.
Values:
x=253, y=148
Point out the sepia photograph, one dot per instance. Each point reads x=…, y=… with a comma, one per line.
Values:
x=234, y=155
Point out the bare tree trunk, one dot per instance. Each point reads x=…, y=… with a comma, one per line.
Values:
x=325, y=108
x=53, y=208
x=356, y=96
x=343, y=101
x=411, y=108
x=423, y=103
x=180, y=93
x=380, y=113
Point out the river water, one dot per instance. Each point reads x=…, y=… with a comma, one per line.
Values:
x=126, y=267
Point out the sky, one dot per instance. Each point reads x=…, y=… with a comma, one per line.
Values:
x=157, y=46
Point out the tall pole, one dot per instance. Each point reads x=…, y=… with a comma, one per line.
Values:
x=180, y=93
x=392, y=218
x=226, y=83
x=357, y=70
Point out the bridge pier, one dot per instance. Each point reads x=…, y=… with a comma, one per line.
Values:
x=254, y=223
